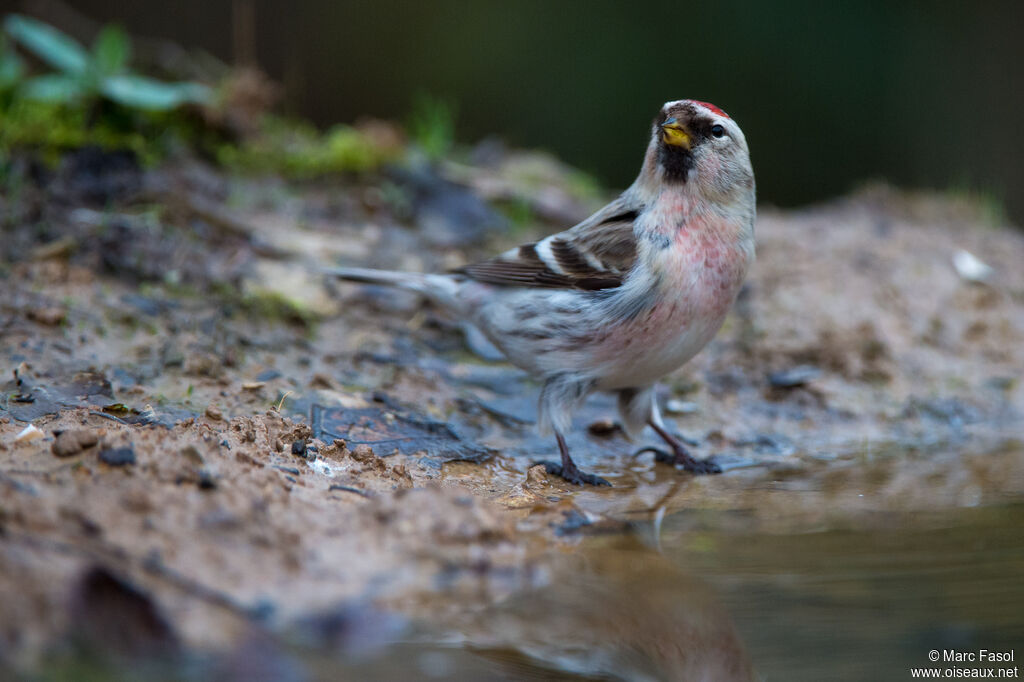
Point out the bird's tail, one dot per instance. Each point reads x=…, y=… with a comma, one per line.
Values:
x=440, y=288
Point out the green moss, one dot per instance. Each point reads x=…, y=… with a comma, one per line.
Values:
x=50, y=129
x=298, y=150
x=272, y=306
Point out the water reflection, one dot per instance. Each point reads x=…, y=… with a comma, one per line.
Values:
x=864, y=601
x=867, y=600
x=699, y=595
x=618, y=610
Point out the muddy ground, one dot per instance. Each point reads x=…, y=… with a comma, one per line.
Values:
x=236, y=465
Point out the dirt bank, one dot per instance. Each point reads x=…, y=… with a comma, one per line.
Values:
x=234, y=455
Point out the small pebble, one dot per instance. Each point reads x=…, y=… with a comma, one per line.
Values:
x=299, y=448
x=969, y=267
x=207, y=480
x=794, y=377
x=30, y=432
x=70, y=443
x=116, y=457
x=603, y=427
x=213, y=412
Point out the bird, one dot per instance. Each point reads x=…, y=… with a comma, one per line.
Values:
x=628, y=295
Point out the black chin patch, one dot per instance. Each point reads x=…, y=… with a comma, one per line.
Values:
x=676, y=162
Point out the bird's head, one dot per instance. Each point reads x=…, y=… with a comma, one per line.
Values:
x=697, y=143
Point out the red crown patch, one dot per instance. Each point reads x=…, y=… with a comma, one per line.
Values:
x=712, y=107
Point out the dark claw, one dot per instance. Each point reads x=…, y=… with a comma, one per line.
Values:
x=659, y=454
x=701, y=466
x=574, y=475
x=683, y=461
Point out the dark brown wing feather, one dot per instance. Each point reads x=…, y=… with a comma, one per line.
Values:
x=595, y=254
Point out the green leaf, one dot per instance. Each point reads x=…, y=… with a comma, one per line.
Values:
x=11, y=67
x=111, y=51
x=53, y=87
x=57, y=49
x=145, y=93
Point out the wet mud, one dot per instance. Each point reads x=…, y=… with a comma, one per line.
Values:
x=214, y=458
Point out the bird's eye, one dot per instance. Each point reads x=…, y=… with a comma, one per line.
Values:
x=718, y=130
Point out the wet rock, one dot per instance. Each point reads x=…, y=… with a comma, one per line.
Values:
x=390, y=431
x=70, y=443
x=299, y=448
x=51, y=394
x=448, y=214
x=116, y=457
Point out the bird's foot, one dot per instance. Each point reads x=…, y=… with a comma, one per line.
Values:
x=573, y=474
x=682, y=459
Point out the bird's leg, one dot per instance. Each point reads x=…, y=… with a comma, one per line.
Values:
x=568, y=469
x=560, y=395
x=680, y=456
x=638, y=407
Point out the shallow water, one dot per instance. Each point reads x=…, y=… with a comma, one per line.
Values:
x=866, y=601
x=695, y=597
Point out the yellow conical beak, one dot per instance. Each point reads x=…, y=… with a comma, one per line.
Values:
x=674, y=133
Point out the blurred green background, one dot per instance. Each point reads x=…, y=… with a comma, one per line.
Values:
x=922, y=94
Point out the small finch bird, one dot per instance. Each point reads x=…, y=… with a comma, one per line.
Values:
x=629, y=294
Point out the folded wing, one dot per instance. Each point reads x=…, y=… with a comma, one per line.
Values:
x=595, y=254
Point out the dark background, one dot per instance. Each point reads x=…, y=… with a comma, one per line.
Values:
x=830, y=94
